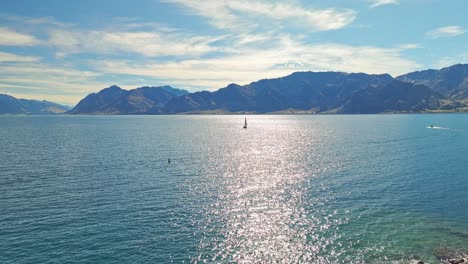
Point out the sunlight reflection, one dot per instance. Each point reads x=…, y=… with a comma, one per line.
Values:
x=264, y=204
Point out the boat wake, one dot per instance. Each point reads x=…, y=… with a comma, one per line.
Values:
x=437, y=127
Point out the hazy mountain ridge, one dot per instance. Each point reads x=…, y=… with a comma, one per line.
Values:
x=13, y=106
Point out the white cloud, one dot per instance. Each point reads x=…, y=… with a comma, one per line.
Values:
x=150, y=44
x=409, y=46
x=38, y=69
x=448, y=31
x=10, y=37
x=377, y=3
x=245, y=15
x=33, y=21
x=9, y=57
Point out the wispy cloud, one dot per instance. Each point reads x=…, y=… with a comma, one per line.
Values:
x=10, y=57
x=10, y=37
x=408, y=46
x=377, y=3
x=150, y=44
x=448, y=31
x=242, y=15
x=32, y=21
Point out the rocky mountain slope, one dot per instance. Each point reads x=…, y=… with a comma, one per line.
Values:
x=450, y=81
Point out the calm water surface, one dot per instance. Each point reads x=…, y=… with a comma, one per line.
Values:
x=289, y=189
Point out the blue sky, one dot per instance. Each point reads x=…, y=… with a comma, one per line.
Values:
x=63, y=50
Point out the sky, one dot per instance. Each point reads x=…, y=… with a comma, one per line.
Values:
x=63, y=50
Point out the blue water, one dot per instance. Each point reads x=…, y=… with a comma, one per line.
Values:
x=289, y=189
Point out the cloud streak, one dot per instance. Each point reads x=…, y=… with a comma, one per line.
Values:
x=377, y=3
x=10, y=37
x=145, y=43
x=242, y=15
x=448, y=31
x=10, y=57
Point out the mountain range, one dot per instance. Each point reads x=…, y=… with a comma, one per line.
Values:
x=301, y=92
x=115, y=100
x=13, y=106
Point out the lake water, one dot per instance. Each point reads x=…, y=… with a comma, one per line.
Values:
x=289, y=189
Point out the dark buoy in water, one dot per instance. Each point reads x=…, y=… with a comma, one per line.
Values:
x=169, y=161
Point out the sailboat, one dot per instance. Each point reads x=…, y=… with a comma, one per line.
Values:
x=245, y=122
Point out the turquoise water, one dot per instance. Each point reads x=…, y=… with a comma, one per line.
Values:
x=289, y=189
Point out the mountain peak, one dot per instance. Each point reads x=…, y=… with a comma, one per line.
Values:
x=232, y=85
x=112, y=88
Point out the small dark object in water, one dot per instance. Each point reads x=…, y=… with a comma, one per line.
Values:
x=420, y=262
x=169, y=161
